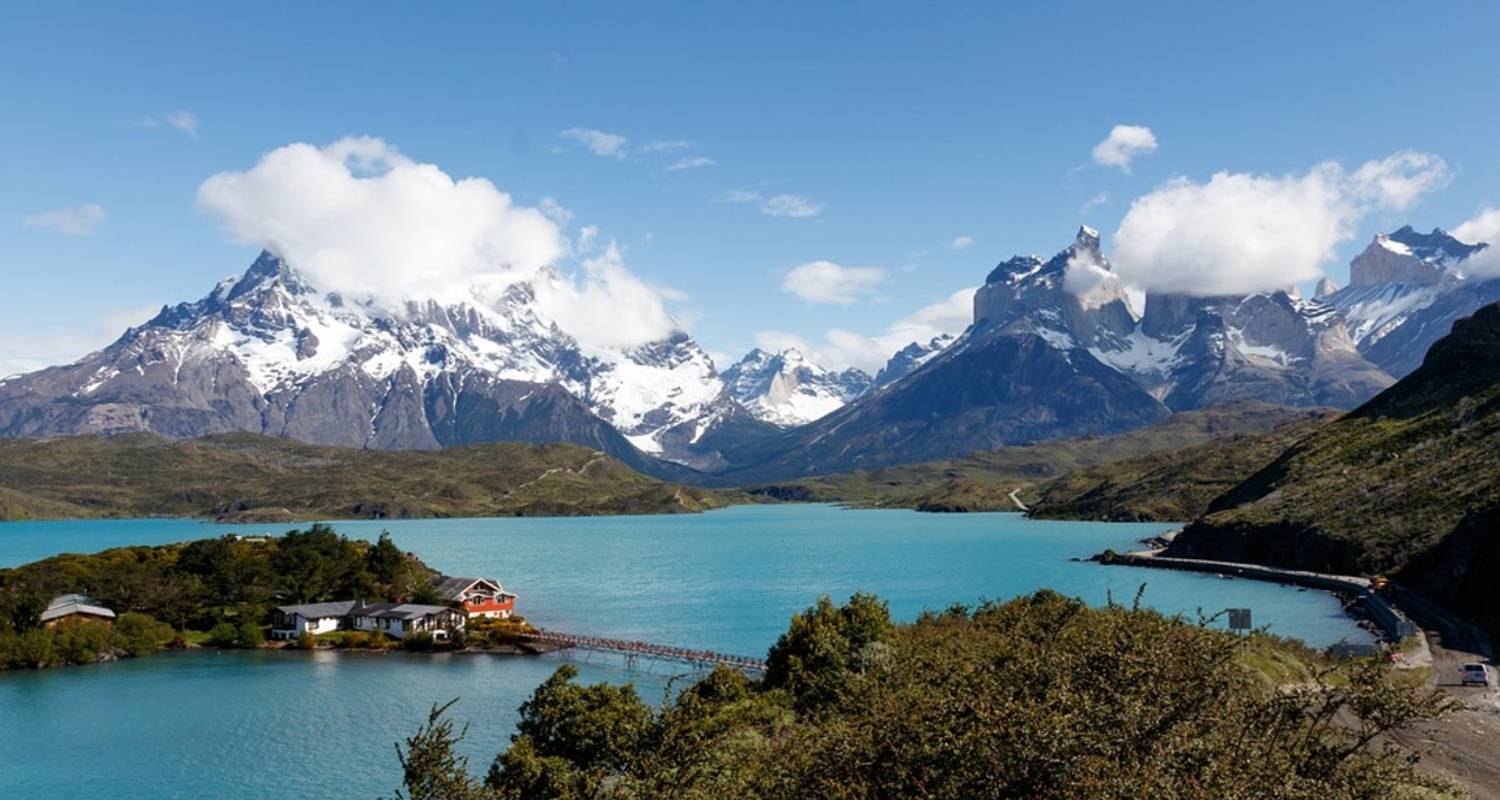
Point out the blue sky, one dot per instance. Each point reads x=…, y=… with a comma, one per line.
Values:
x=902, y=126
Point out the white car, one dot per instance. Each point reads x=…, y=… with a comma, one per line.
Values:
x=1474, y=673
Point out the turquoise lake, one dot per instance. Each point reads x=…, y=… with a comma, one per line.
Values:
x=292, y=725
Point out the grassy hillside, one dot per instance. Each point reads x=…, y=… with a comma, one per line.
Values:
x=1407, y=484
x=1167, y=485
x=981, y=482
x=256, y=478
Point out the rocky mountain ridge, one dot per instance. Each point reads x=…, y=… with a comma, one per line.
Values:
x=267, y=353
x=786, y=389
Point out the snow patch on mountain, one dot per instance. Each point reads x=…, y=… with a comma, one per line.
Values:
x=785, y=389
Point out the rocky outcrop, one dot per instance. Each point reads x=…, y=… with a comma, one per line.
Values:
x=786, y=389
x=1405, y=256
x=1406, y=289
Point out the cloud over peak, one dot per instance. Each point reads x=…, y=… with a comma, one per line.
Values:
x=842, y=348
x=1484, y=227
x=1123, y=144
x=1242, y=232
x=360, y=217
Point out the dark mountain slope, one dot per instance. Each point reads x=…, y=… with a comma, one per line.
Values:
x=991, y=391
x=1383, y=489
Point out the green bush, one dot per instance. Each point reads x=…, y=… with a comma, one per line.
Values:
x=1042, y=697
x=139, y=635
x=419, y=642
x=306, y=641
x=81, y=642
x=250, y=634
x=224, y=634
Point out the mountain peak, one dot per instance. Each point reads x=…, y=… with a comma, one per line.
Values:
x=1406, y=256
x=786, y=389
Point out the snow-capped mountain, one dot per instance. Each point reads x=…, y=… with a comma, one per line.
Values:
x=267, y=352
x=1405, y=291
x=1022, y=372
x=910, y=357
x=1195, y=352
x=1055, y=350
x=785, y=389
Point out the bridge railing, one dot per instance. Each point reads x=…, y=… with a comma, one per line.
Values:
x=650, y=650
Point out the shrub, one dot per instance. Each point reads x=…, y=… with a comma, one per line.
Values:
x=81, y=642
x=250, y=634
x=306, y=641
x=419, y=642
x=1042, y=697
x=139, y=635
x=224, y=634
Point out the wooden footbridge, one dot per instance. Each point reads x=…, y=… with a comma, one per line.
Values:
x=634, y=651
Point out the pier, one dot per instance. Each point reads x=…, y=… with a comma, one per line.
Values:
x=633, y=651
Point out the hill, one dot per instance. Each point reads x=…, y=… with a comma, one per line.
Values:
x=248, y=477
x=983, y=481
x=1167, y=485
x=1407, y=485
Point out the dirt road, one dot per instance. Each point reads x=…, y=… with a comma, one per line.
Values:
x=1465, y=745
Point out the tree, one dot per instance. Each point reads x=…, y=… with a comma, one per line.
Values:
x=385, y=560
x=826, y=646
x=24, y=610
x=571, y=738
x=431, y=768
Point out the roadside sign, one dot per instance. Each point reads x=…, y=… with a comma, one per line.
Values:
x=1239, y=619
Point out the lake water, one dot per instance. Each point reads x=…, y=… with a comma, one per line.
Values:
x=289, y=724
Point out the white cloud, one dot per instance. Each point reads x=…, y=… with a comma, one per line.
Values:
x=1395, y=182
x=80, y=221
x=741, y=196
x=1084, y=273
x=1483, y=228
x=827, y=282
x=600, y=143
x=609, y=307
x=588, y=239
x=691, y=163
x=961, y=242
x=1123, y=144
x=667, y=146
x=791, y=205
x=1092, y=203
x=555, y=211
x=1241, y=233
x=183, y=121
x=843, y=348
x=359, y=217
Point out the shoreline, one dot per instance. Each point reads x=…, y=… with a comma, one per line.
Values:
x=1362, y=602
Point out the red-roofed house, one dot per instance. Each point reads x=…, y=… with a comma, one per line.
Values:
x=480, y=597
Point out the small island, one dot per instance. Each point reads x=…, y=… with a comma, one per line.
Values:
x=306, y=589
